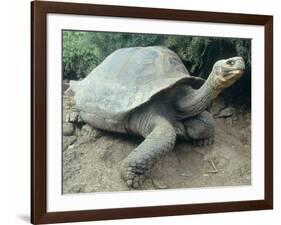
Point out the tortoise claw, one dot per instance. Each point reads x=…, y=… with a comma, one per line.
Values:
x=133, y=176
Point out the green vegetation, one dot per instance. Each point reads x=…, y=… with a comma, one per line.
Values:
x=83, y=51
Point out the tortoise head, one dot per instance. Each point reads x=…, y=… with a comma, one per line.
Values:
x=226, y=71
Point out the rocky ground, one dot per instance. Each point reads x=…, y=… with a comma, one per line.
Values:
x=92, y=158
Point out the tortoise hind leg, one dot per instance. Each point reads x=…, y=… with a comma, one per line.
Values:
x=200, y=129
x=158, y=141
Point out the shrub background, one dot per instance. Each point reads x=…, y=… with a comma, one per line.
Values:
x=83, y=51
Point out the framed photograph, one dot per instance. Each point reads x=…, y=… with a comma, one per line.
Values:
x=144, y=112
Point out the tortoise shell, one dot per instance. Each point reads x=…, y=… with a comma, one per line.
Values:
x=125, y=80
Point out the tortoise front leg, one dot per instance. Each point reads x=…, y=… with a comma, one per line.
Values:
x=159, y=141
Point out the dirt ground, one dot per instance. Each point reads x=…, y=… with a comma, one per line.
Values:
x=92, y=158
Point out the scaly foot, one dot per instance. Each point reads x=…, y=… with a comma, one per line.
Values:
x=133, y=175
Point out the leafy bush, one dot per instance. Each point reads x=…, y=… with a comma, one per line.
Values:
x=83, y=51
x=79, y=56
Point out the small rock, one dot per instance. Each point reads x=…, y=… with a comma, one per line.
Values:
x=159, y=184
x=65, y=116
x=71, y=146
x=68, y=92
x=67, y=129
x=88, y=134
x=85, y=130
x=222, y=162
x=73, y=117
x=65, y=85
x=227, y=112
x=217, y=106
x=68, y=141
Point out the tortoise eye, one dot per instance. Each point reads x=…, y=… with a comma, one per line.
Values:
x=230, y=62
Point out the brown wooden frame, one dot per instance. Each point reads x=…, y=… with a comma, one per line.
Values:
x=39, y=11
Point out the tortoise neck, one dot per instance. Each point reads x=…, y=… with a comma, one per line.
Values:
x=211, y=87
x=198, y=100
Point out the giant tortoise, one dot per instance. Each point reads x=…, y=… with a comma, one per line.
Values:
x=147, y=91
